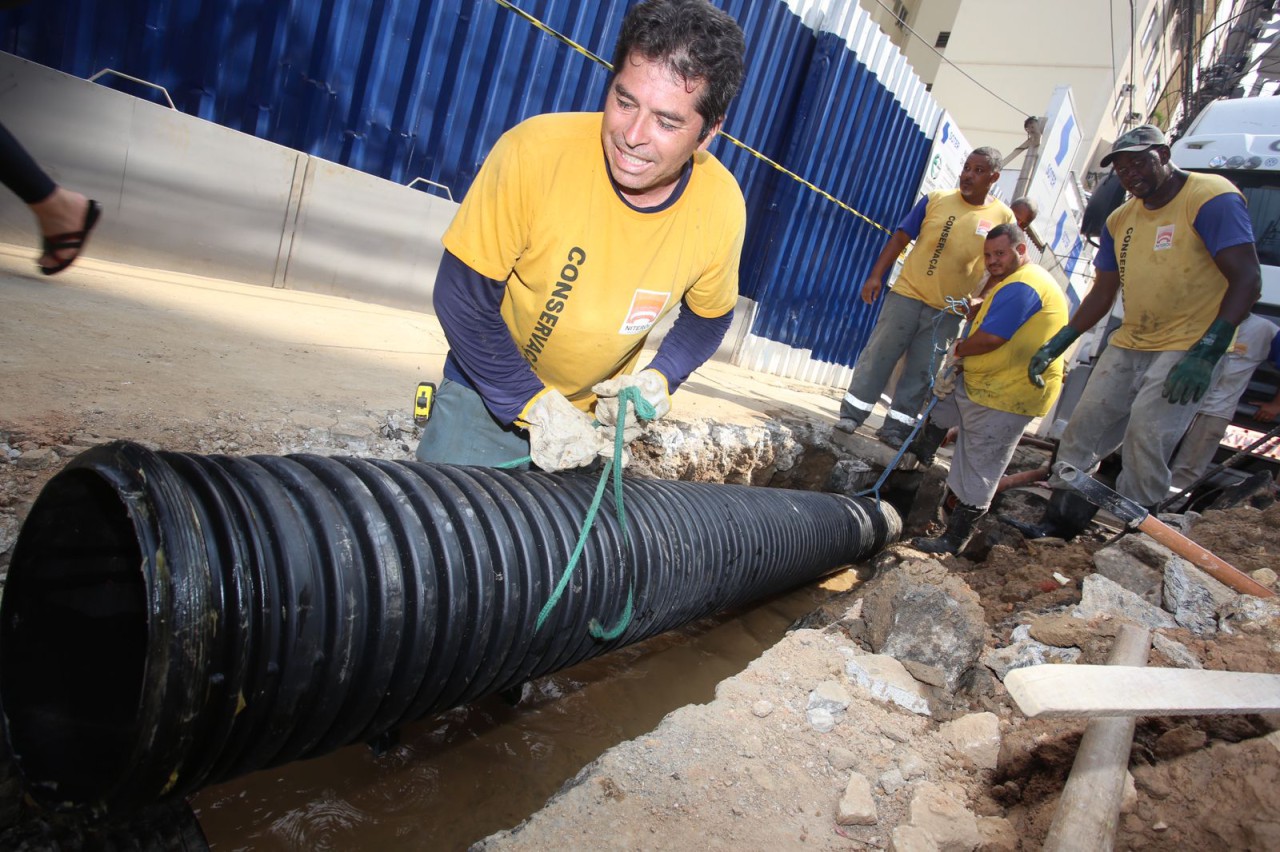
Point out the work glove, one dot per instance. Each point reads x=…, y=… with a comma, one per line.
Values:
x=945, y=384
x=560, y=436
x=1046, y=354
x=1191, y=377
x=652, y=386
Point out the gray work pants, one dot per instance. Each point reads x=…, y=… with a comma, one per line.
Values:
x=1197, y=449
x=462, y=431
x=905, y=326
x=1121, y=408
x=986, y=442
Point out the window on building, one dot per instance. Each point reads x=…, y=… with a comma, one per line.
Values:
x=1151, y=61
x=1149, y=31
x=900, y=13
x=943, y=38
x=1153, y=90
x=1122, y=103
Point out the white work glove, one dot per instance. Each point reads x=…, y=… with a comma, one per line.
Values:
x=560, y=436
x=945, y=383
x=652, y=386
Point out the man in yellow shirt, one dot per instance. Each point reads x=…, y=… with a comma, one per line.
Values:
x=1181, y=254
x=992, y=402
x=949, y=227
x=580, y=232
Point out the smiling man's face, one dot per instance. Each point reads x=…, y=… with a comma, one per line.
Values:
x=650, y=130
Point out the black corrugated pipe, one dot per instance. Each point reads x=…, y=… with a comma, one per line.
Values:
x=174, y=620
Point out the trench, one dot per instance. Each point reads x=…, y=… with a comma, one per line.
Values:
x=456, y=778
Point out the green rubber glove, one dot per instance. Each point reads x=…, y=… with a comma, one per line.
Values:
x=1191, y=377
x=1046, y=354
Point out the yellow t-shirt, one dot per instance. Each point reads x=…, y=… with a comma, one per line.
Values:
x=587, y=275
x=947, y=257
x=1171, y=287
x=998, y=379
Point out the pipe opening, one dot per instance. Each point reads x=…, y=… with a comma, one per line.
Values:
x=74, y=638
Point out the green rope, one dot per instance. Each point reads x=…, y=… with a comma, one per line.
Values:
x=645, y=411
x=514, y=463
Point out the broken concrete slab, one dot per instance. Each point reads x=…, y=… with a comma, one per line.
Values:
x=887, y=680
x=1100, y=596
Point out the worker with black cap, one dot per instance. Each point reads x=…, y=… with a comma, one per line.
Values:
x=1181, y=254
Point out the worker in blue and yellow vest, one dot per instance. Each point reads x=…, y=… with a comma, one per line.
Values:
x=984, y=382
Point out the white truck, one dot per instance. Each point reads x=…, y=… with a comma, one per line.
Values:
x=1240, y=140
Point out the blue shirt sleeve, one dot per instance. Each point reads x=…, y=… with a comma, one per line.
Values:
x=915, y=219
x=1105, y=259
x=1013, y=305
x=1223, y=222
x=690, y=342
x=482, y=354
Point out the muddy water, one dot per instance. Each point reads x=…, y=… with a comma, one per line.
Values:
x=463, y=775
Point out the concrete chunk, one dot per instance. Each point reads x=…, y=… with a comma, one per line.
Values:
x=887, y=680
x=857, y=805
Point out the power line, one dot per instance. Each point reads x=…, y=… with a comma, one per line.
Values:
x=923, y=41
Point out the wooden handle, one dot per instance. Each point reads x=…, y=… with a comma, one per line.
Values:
x=1198, y=556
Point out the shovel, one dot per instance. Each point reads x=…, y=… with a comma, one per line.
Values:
x=1136, y=517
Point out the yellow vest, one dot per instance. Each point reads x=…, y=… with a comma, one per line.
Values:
x=947, y=257
x=1171, y=287
x=998, y=379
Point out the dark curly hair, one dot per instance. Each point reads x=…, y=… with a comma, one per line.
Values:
x=694, y=40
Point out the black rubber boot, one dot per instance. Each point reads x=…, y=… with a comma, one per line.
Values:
x=1067, y=516
x=959, y=531
x=928, y=439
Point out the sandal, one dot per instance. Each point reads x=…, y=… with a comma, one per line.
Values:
x=71, y=240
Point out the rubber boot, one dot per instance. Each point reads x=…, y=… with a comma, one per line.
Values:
x=928, y=439
x=959, y=531
x=1067, y=516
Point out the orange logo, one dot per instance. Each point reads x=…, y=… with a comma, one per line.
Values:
x=984, y=227
x=646, y=307
x=1164, y=237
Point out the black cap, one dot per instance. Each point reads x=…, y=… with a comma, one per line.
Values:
x=1144, y=137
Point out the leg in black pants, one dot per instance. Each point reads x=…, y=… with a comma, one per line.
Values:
x=65, y=217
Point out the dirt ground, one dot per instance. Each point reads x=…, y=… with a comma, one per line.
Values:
x=211, y=367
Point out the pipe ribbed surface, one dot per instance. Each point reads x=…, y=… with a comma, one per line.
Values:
x=174, y=620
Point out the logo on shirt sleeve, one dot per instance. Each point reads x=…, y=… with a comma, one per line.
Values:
x=984, y=226
x=1164, y=237
x=646, y=307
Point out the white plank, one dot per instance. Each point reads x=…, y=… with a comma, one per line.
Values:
x=1085, y=691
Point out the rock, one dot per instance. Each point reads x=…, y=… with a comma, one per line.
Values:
x=830, y=696
x=1025, y=651
x=857, y=806
x=998, y=835
x=949, y=824
x=8, y=532
x=1175, y=652
x=37, y=459
x=908, y=838
x=1100, y=596
x=1193, y=596
x=1129, y=799
x=1061, y=631
x=841, y=759
x=887, y=680
x=976, y=737
x=1178, y=741
x=912, y=766
x=1250, y=615
x=821, y=719
x=1135, y=562
x=924, y=673
x=762, y=708
x=849, y=476
x=1265, y=576
x=921, y=612
x=891, y=781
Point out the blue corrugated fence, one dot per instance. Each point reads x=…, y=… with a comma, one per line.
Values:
x=405, y=89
